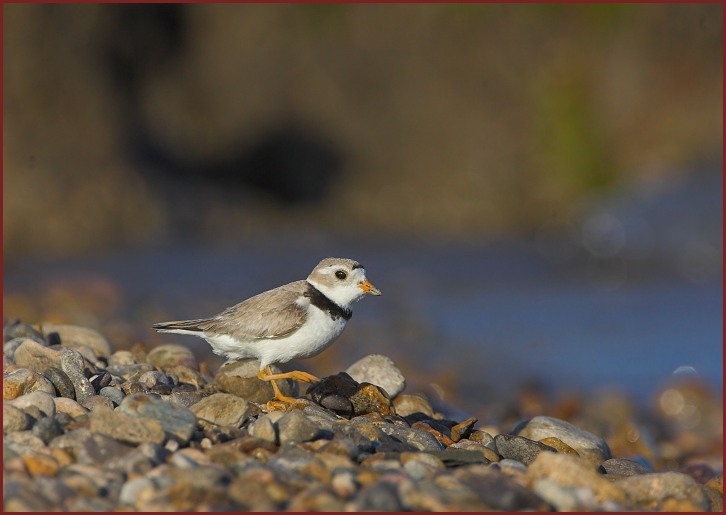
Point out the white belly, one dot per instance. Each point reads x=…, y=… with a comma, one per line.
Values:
x=314, y=336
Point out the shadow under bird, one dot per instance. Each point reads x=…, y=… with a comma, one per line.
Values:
x=296, y=320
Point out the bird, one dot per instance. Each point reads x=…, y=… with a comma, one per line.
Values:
x=296, y=320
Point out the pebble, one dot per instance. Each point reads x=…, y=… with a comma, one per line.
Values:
x=406, y=405
x=42, y=401
x=240, y=378
x=623, y=467
x=73, y=337
x=570, y=472
x=188, y=376
x=378, y=370
x=294, y=427
x=171, y=355
x=18, y=330
x=69, y=406
x=588, y=446
x=23, y=381
x=126, y=428
x=115, y=395
x=88, y=447
x=177, y=442
x=345, y=396
x=520, y=448
x=73, y=365
x=97, y=403
x=101, y=380
x=9, y=348
x=122, y=357
x=222, y=409
x=14, y=419
x=36, y=356
x=184, y=397
x=651, y=491
x=177, y=421
x=46, y=429
x=62, y=383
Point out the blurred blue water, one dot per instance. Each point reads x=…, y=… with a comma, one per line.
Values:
x=497, y=314
x=575, y=313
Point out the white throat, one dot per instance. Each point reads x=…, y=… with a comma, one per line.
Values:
x=342, y=295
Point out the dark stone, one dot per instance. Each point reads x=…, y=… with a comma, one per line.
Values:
x=457, y=457
x=47, y=428
x=61, y=381
x=101, y=380
x=520, y=448
x=363, y=397
x=624, y=467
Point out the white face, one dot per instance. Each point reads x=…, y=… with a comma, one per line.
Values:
x=341, y=280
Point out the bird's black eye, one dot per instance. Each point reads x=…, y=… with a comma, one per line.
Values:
x=340, y=274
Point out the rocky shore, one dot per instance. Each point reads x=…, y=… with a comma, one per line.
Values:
x=90, y=428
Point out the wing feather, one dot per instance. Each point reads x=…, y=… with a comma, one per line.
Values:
x=271, y=314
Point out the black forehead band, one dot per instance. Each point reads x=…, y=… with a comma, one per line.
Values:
x=357, y=265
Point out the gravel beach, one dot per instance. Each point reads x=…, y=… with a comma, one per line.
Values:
x=90, y=428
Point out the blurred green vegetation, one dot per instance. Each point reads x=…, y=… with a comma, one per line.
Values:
x=453, y=120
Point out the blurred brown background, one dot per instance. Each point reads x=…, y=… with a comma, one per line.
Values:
x=149, y=124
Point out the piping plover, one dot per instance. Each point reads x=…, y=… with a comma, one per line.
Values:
x=296, y=320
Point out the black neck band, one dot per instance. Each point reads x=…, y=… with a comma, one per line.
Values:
x=319, y=300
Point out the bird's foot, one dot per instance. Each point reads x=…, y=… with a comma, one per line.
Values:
x=297, y=375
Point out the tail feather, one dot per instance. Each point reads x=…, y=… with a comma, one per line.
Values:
x=180, y=325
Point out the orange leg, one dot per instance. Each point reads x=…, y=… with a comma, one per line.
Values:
x=267, y=375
